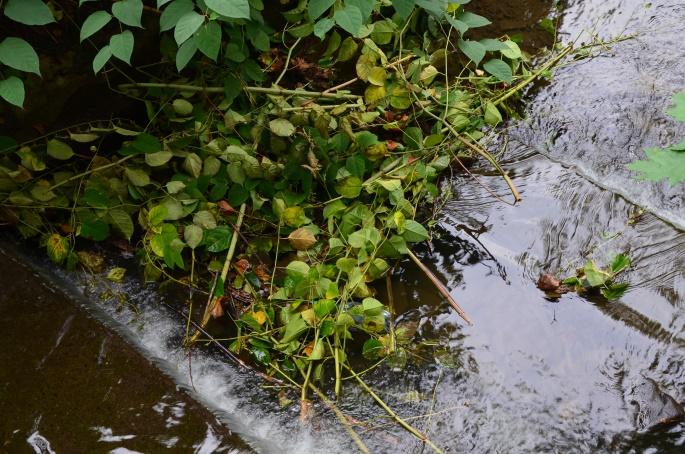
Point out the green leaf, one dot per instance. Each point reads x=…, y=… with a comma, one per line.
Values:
x=456, y=23
x=414, y=232
x=29, y=12
x=121, y=46
x=349, y=19
x=492, y=45
x=323, y=26
x=317, y=7
x=192, y=235
x=297, y=269
x=182, y=107
x=677, y=111
x=492, y=116
x=620, y=263
x=128, y=12
x=12, y=91
x=347, y=49
x=101, y=58
x=614, y=291
x=59, y=150
x=512, y=51
x=595, y=277
x=18, y=54
x=157, y=215
x=294, y=328
x=500, y=69
x=94, y=24
x=187, y=25
x=281, y=127
x=349, y=188
x=158, y=159
x=209, y=39
x=472, y=20
x=661, y=164
x=137, y=177
x=372, y=306
x=218, y=239
x=121, y=221
x=238, y=9
x=173, y=13
x=185, y=53
x=193, y=165
x=97, y=230
x=372, y=349
x=472, y=49
x=403, y=7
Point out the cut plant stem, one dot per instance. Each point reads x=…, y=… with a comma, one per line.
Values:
x=408, y=427
x=341, y=417
x=441, y=288
x=265, y=90
x=224, y=273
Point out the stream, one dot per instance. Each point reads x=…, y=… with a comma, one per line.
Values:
x=534, y=374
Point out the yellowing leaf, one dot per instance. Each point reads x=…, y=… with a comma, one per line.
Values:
x=302, y=239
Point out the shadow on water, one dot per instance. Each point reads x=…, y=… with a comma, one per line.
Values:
x=533, y=375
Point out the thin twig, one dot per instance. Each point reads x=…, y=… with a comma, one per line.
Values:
x=351, y=81
x=287, y=61
x=441, y=288
x=265, y=90
x=224, y=273
x=408, y=427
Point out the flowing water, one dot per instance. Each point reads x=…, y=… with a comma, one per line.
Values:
x=574, y=374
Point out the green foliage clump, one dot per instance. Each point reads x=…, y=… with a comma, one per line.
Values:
x=667, y=163
x=591, y=277
x=252, y=184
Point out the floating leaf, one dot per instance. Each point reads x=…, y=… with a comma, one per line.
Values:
x=661, y=164
x=614, y=291
x=116, y=274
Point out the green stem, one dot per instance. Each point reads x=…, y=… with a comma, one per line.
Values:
x=268, y=91
x=408, y=427
x=88, y=172
x=224, y=273
x=287, y=61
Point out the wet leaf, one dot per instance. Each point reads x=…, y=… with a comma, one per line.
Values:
x=218, y=239
x=620, y=263
x=661, y=164
x=677, y=111
x=373, y=349
x=116, y=274
x=294, y=328
x=57, y=247
x=595, y=277
x=492, y=115
x=614, y=291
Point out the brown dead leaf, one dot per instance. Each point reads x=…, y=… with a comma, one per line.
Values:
x=225, y=207
x=242, y=266
x=218, y=309
x=262, y=273
x=302, y=239
x=308, y=349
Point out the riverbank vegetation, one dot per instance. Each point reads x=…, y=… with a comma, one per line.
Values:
x=289, y=158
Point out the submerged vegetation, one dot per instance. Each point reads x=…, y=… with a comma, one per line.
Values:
x=290, y=157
